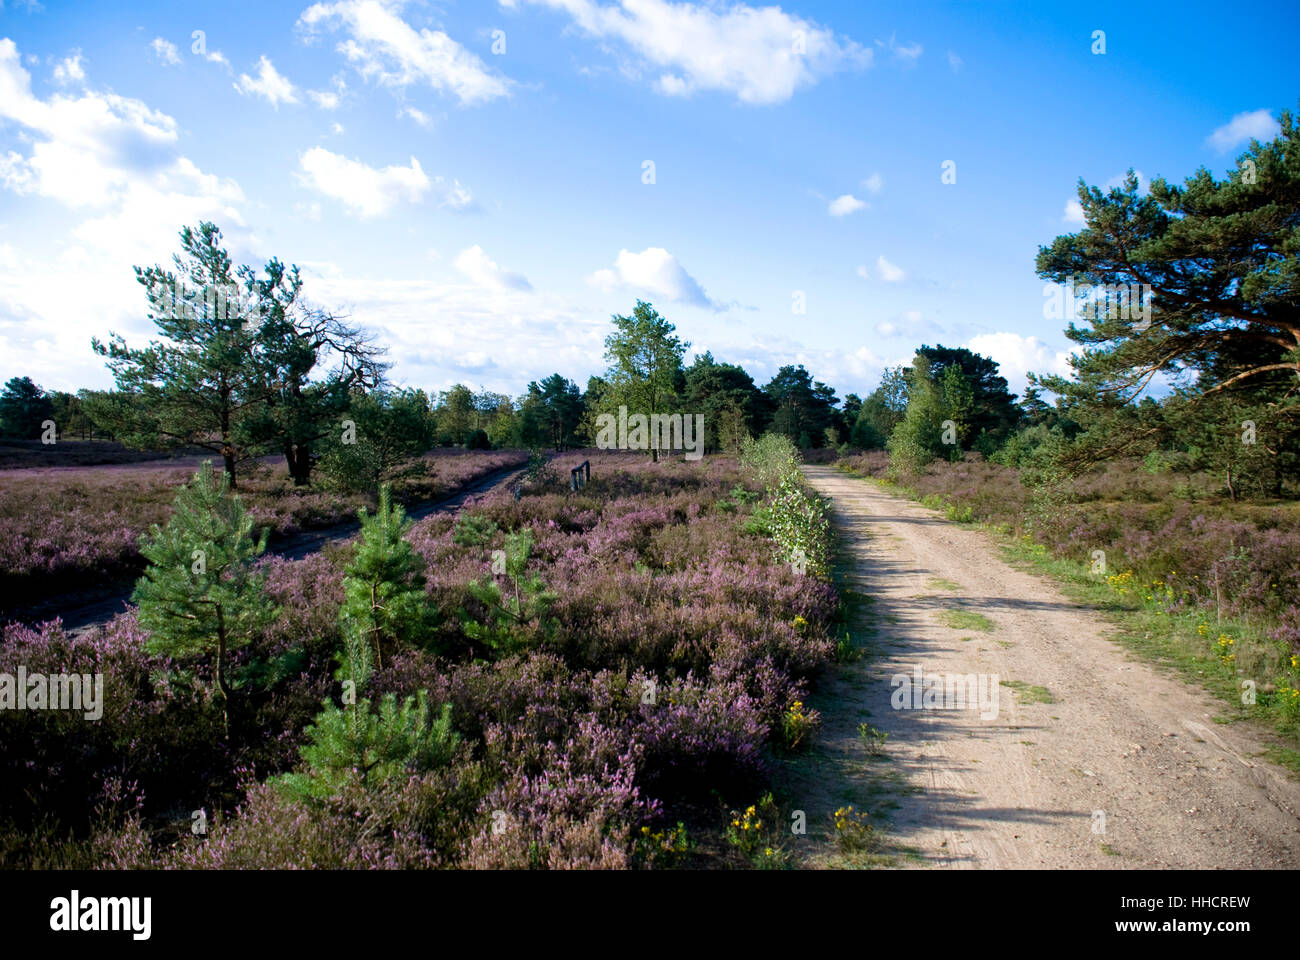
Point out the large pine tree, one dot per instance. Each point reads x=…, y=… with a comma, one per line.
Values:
x=1221, y=259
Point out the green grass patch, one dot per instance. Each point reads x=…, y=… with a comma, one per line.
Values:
x=1029, y=693
x=965, y=620
x=942, y=583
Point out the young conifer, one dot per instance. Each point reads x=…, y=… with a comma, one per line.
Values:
x=200, y=594
x=384, y=602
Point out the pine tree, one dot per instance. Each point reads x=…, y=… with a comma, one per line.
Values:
x=370, y=747
x=384, y=602
x=510, y=612
x=200, y=594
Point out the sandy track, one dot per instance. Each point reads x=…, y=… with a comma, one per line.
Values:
x=1020, y=790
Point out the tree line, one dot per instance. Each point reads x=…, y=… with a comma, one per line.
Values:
x=1218, y=259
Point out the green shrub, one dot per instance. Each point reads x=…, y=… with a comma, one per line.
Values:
x=200, y=593
x=473, y=530
x=384, y=602
x=801, y=527
x=351, y=743
x=512, y=615
x=769, y=458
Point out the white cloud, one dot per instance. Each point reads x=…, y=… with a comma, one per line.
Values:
x=886, y=329
x=1254, y=124
x=888, y=272
x=166, y=51
x=656, y=272
x=419, y=116
x=336, y=128
x=955, y=62
x=69, y=70
x=116, y=158
x=216, y=56
x=873, y=183
x=909, y=52
x=88, y=150
x=864, y=272
x=759, y=55
x=324, y=99
x=481, y=269
x=497, y=337
x=269, y=84
x=1017, y=355
x=365, y=190
x=843, y=206
x=1074, y=213
x=384, y=47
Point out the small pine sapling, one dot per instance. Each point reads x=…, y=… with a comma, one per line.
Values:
x=524, y=601
x=200, y=594
x=371, y=748
x=384, y=602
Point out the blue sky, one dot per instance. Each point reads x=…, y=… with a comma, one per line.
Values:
x=469, y=180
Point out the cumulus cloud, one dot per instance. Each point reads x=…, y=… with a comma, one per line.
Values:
x=759, y=55
x=366, y=191
x=873, y=183
x=385, y=48
x=482, y=270
x=116, y=161
x=1253, y=124
x=325, y=99
x=268, y=84
x=501, y=336
x=166, y=51
x=90, y=150
x=1017, y=355
x=69, y=70
x=1074, y=213
x=844, y=205
x=656, y=272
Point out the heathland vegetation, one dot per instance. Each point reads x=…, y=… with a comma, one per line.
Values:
x=606, y=675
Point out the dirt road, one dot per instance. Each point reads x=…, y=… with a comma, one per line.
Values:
x=1111, y=744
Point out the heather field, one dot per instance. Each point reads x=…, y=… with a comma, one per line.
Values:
x=671, y=438
x=63, y=524
x=660, y=662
